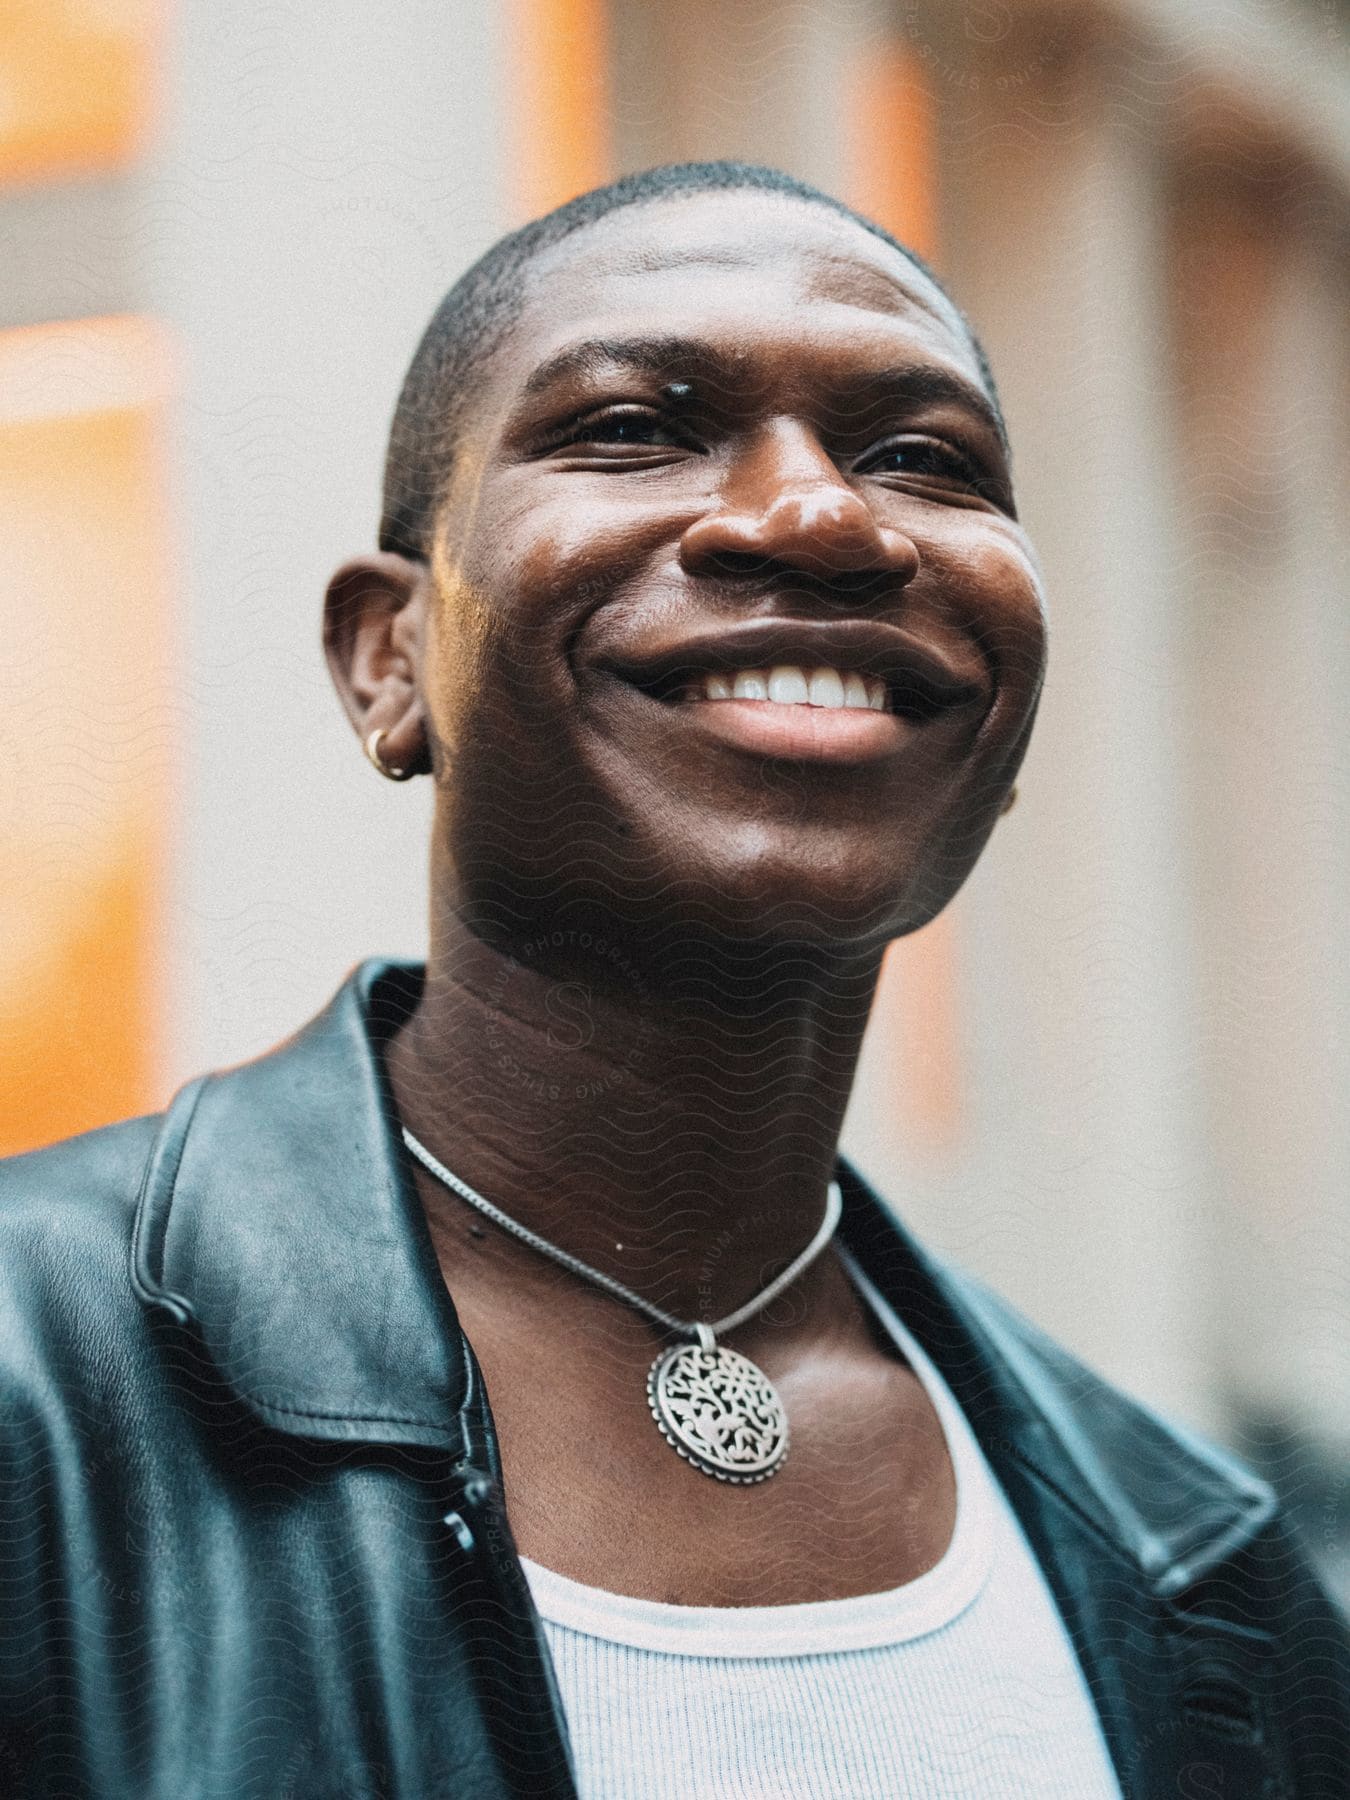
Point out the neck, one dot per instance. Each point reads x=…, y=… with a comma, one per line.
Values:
x=674, y=1126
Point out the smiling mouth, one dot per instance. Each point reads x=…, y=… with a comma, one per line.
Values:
x=787, y=684
x=840, y=691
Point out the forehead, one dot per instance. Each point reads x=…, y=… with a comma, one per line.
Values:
x=740, y=265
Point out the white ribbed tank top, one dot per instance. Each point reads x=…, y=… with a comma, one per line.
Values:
x=960, y=1685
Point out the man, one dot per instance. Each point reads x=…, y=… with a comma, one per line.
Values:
x=702, y=600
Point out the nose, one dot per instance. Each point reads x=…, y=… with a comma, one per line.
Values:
x=785, y=503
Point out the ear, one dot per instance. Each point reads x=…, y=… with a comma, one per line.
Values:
x=373, y=620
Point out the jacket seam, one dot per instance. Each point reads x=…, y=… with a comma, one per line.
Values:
x=1161, y=1581
x=1243, y=1530
x=300, y=1412
x=148, y=1286
x=1118, y=1551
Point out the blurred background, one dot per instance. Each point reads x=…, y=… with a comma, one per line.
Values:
x=1114, y=1078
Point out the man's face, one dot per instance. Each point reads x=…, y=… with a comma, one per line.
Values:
x=730, y=618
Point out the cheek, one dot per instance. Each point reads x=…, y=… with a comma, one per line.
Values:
x=992, y=590
x=552, y=555
x=453, y=677
x=514, y=591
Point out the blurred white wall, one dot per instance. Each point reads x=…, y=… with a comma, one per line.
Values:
x=323, y=176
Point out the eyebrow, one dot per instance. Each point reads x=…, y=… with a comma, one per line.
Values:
x=676, y=355
x=646, y=355
x=926, y=385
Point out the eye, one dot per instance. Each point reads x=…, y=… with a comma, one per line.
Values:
x=927, y=457
x=641, y=426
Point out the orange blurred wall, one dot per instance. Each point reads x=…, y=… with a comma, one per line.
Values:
x=891, y=152
x=559, y=102
x=85, y=609
x=84, y=789
x=74, y=81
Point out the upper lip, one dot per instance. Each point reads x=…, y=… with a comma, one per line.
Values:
x=919, y=677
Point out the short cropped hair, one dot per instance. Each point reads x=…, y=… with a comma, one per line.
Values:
x=473, y=318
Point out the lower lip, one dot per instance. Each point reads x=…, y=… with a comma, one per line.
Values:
x=829, y=734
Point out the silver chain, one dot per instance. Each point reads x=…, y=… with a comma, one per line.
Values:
x=834, y=1206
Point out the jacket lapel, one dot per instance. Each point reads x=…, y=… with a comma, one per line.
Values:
x=278, y=1217
x=1126, y=1518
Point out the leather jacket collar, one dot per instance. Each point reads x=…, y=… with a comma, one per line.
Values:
x=293, y=1164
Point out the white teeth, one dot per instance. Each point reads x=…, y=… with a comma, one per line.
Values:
x=786, y=684
x=827, y=688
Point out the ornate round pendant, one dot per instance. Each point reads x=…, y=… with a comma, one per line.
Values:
x=719, y=1411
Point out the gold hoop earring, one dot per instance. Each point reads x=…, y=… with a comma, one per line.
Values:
x=1011, y=800
x=371, y=746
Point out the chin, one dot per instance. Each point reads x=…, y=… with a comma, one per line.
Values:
x=791, y=897
x=681, y=881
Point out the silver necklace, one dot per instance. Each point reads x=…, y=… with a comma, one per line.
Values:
x=713, y=1405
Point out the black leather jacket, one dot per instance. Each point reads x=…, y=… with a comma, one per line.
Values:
x=251, y=1545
